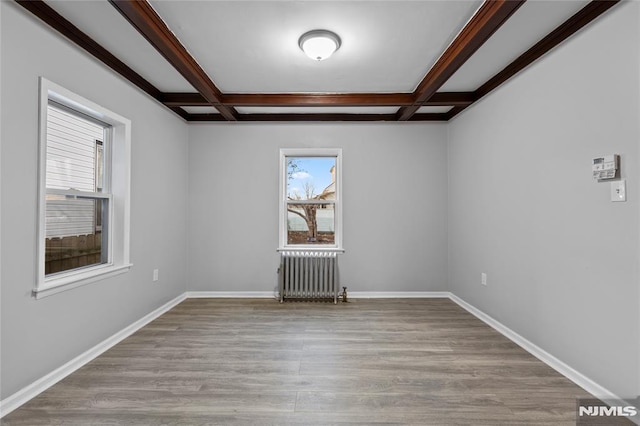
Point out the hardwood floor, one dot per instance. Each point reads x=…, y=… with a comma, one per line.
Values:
x=258, y=362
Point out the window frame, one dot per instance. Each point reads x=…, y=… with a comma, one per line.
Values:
x=117, y=150
x=283, y=202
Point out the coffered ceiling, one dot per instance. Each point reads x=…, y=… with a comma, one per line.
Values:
x=240, y=60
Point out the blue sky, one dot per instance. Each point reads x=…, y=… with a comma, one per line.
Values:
x=315, y=170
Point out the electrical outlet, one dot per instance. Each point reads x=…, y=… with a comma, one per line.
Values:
x=155, y=274
x=483, y=279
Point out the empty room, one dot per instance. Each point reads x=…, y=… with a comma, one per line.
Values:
x=319, y=212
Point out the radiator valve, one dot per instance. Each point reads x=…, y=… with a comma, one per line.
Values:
x=344, y=294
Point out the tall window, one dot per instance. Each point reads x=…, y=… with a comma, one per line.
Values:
x=77, y=191
x=84, y=202
x=310, y=208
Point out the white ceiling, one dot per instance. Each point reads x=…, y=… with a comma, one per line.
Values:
x=252, y=46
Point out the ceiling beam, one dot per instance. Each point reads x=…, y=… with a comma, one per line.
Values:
x=455, y=111
x=343, y=99
x=66, y=28
x=572, y=25
x=450, y=99
x=181, y=112
x=292, y=99
x=206, y=117
x=317, y=117
x=298, y=117
x=145, y=19
x=429, y=116
x=183, y=99
x=318, y=99
x=489, y=17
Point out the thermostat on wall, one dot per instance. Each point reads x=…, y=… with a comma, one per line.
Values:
x=605, y=167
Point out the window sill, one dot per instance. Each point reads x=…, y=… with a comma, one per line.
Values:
x=69, y=281
x=311, y=248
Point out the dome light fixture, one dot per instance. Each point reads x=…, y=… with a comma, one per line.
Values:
x=319, y=44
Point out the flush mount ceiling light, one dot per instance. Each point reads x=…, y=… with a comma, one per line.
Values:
x=319, y=44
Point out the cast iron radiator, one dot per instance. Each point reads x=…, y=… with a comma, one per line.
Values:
x=311, y=275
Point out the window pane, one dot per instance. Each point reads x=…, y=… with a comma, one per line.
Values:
x=73, y=154
x=311, y=178
x=67, y=217
x=74, y=238
x=310, y=223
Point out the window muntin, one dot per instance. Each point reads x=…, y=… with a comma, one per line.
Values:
x=83, y=229
x=310, y=199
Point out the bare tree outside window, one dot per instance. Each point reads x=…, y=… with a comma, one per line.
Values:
x=310, y=218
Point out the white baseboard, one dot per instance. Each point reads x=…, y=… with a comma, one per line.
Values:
x=231, y=294
x=14, y=401
x=575, y=376
x=396, y=294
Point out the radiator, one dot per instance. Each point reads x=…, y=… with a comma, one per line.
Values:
x=311, y=275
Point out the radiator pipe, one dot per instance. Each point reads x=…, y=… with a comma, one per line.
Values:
x=344, y=295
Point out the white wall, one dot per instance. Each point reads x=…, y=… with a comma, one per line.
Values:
x=561, y=259
x=41, y=335
x=394, y=198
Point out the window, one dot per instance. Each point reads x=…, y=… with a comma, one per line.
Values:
x=310, y=198
x=84, y=191
x=75, y=197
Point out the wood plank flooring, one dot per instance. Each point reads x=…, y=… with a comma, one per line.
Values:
x=259, y=362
